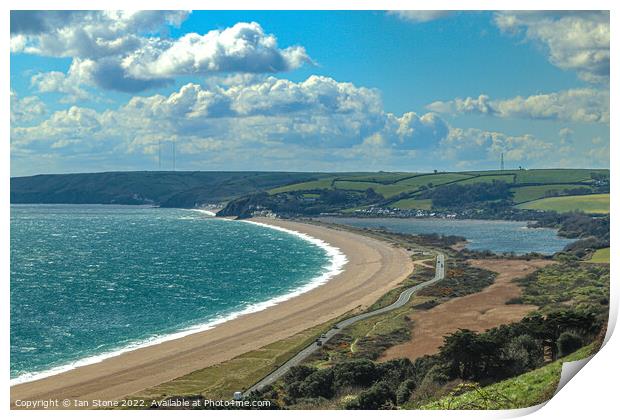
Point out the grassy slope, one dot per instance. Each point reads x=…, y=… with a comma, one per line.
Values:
x=222, y=380
x=177, y=189
x=593, y=203
x=525, y=390
x=534, y=192
x=320, y=184
x=412, y=203
x=601, y=256
x=391, y=184
x=186, y=189
x=555, y=175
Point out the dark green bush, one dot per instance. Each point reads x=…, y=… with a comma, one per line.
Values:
x=568, y=343
x=377, y=396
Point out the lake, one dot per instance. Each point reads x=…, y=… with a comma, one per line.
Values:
x=497, y=236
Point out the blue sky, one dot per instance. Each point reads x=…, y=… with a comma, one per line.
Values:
x=329, y=91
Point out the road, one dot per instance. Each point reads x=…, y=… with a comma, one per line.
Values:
x=304, y=353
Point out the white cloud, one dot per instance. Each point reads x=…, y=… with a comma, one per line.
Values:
x=316, y=112
x=128, y=52
x=272, y=123
x=419, y=16
x=243, y=47
x=576, y=41
x=27, y=109
x=87, y=34
x=71, y=83
x=577, y=105
x=475, y=146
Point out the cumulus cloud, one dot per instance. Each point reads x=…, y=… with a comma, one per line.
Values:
x=88, y=34
x=318, y=111
x=243, y=47
x=39, y=21
x=127, y=51
x=27, y=109
x=576, y=41
x=577, y=105
x=473, y=146
x=315, y=123
x=70, y=83
x=420, y=16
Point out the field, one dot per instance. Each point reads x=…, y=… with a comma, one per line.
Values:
x=601, y=256
x=394, y=189
x=593, y=203
x=535, y=192
x=413, y=203
x=525, y=390
x=402, y=189
x=320, y=184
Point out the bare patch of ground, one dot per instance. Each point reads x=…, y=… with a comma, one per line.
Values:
x=477, y=312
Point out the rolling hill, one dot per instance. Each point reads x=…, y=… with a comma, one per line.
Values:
x=168, y=189
x=535, y=188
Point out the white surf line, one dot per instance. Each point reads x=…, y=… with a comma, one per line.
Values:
x=335, y=267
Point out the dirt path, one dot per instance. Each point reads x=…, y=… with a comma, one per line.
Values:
x=478, y=312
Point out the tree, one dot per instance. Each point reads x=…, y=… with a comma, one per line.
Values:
x=377, y=396
x=318, y=384
x=403, y=393
x=568, y=343
x=360, y=372
x=395, y=371
x=521, y=354
x=298, y=373
x=467, y=354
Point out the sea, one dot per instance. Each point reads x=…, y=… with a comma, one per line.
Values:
x=89, y=282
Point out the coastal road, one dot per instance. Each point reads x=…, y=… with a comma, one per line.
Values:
x=304, y=353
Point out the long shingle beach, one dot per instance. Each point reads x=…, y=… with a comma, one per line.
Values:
x=373, y=268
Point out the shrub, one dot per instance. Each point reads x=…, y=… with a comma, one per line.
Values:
x=377, y=396
x=354, y=373
x=521, y=354
x=298, y=373
x=318, y=384
x=568, y=342
x=403, y=393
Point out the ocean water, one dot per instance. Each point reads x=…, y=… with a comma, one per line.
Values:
x=498, y=236
x=91, y=281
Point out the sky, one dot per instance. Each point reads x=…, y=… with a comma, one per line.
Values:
x=95, y=91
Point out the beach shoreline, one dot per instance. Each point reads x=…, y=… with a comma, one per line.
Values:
x=337, y=260
x=372, y=268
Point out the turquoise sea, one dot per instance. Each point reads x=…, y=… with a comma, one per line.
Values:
x=89, y=281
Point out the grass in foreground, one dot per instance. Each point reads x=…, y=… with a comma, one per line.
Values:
x=592, y=203
x=522, y=391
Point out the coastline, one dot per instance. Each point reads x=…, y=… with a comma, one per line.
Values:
x=337, y=260
x=373, y=267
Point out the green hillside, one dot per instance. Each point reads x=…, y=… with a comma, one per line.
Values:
x=171, y=189
x=407, y=190
x=323, y=192
x=525, y=390
x=601, y=256
x=593, y=203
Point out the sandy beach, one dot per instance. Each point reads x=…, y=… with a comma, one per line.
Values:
x=372, y=269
